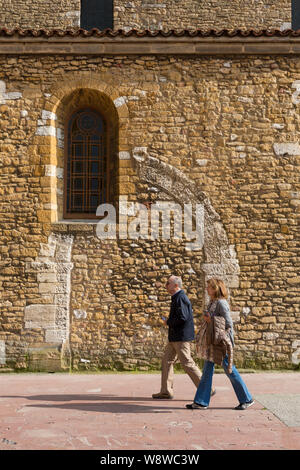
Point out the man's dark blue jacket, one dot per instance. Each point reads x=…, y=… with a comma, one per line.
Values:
x=180, y=321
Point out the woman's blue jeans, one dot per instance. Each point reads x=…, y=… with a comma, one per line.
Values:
x=202, y=396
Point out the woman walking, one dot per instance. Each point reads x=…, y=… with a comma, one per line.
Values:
x=218, y=306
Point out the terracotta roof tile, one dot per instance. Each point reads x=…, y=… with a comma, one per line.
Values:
x=5, y=32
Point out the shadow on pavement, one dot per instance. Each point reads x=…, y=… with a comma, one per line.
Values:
x=116, y=404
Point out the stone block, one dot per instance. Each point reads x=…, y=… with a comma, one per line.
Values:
x=44, y=216
x=46, y=131
x=39, y=316
x=47, y=250
x=124, y=156
x=46, y=266
x=288, y=148
x=47, y=287
x=55, y=335
x=47, y=277
x=2, y=352
x=47, y=358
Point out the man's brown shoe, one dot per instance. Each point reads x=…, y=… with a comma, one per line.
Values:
x=162, y=396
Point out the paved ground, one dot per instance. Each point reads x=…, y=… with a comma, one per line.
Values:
x=116, y=412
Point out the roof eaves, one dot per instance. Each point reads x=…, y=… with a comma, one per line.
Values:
x=109, y=33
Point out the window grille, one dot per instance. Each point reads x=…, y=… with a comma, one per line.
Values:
x=86, y=180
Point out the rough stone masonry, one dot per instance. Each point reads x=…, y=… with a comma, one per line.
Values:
x=217, y=129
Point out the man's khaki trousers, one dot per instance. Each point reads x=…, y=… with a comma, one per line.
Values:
x=177, y=350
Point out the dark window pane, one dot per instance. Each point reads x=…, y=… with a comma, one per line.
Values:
x=95, y=150
x=95, y=137
x=78, y=150
x=295, y=14
x=94, y=201
x=94, y=184
x=78, y=166
x=78, y=137
x=78, y=183
x=94, y=168
x=96, y=14
x=77, y=201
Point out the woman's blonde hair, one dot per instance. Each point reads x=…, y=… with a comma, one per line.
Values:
x=219, y=288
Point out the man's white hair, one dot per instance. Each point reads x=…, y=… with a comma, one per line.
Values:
x=176, y=280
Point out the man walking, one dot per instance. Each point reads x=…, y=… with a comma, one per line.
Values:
x=181, y=332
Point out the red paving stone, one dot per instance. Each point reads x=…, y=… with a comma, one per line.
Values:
x=116, y=412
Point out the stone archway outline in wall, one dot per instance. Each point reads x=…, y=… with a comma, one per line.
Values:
x=220, y=256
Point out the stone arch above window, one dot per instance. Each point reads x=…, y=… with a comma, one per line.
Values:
x=87, y=90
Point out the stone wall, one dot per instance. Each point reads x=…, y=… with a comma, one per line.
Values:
x=202, y=14
x=37, y=14
x=223, y=132
x=153, y=14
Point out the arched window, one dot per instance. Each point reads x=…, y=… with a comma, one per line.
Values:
x=86, y=165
